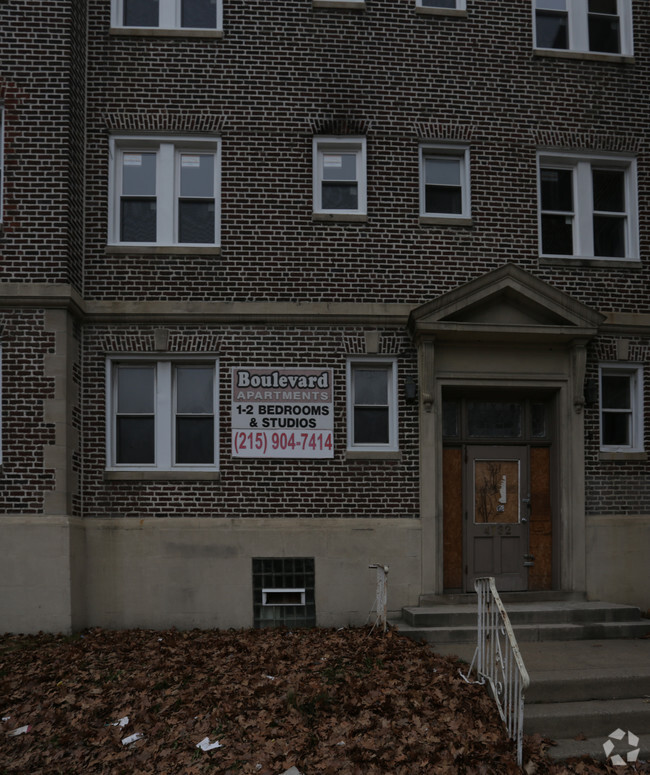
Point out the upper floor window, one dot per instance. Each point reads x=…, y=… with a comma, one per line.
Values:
x=596, y=26
x=162, y=415
x=168, y=14
x=339, y=175
x=372, y=405
x=164, y=192
x=621, y=408
x=588, y=207
x=444, y=181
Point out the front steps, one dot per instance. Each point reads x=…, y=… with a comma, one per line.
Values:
x=588, y=662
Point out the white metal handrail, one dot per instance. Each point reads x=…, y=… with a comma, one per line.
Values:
x=499, y=662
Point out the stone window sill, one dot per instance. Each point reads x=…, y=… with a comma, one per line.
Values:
x=163, y=250
x=342, y=217
x=594, y=263
x=605, y=456
x=148, y=32
x=357, y=454
x=587, y=55
x=354, y=5
x=427, y=11
x=439, y=220
x=161, y=476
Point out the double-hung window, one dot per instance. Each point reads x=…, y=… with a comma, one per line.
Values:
x=168, y=14
x=594, y=26
x=444, y=181
x=339, y=175
x=588, y=207
x=162, y=415
x=164, y=192
x=621, y=408
x=372, y=405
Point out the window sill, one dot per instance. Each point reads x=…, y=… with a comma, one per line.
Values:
x=162, y=250
x=427, y=11
x=157, y=32
x=588, y=55
x=345, y=217
x=354, y=5
x=440, y=220
x=176, y=476
x=596, y=263
x=358, y=454
x=605, y=456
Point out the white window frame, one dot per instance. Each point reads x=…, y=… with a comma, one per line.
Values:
x=164, y=412
x=323, y=146
x=635, y=373
x=581, y=166
x=460, y=152
x=578, y=30
x=459, y=5
x=169, y=17
x=168, y=152
x=390, y=365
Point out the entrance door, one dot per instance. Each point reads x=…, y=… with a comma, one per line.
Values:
x=497, y=501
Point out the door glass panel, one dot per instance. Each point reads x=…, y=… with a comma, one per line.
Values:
x=538, y=420
x=496, y=491
x=494, y=419
x=450, y=417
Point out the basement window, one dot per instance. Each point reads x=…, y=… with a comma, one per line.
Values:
x=283, y=592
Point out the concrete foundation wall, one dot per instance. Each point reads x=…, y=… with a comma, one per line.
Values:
x=618, y=559
x=158, y=573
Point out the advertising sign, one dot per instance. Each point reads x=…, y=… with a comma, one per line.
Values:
x=282, y=413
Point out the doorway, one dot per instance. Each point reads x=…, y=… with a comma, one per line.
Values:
x=497, y=491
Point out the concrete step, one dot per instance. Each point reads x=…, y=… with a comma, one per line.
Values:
x=469, y=598
x=529, y=632
x=568, y=748
x=547, y=612
x=615, y=683
x=593, y=719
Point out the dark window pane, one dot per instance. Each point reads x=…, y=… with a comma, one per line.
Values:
x=604, y=34
x=616, y=429
x=135, y=389
x=443, y=199
x=557, y=235
x=370, y=386
x=616, y=392
x=339, y=196
x=199, y=13
x=538, y=420
x=552, y=30
x=371, y=425
x=140, y=13
x=494, y=419
x=195, y=440
x=196, y=221
x=138, y=220
x=609, y=190
x=439, y=3
x=135, y=440
x=557, y=189
x=450, y=416
x=609, y=236
x=194, y=389
x=603, y=6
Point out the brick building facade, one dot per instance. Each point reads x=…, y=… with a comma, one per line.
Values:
x=439, y=208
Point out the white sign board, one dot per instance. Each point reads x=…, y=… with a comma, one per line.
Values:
x=282, y=413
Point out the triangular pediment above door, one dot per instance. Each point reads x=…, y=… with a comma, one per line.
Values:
x=507, y=303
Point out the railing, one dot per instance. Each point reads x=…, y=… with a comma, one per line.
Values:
x=381, y=600
x=499, y=662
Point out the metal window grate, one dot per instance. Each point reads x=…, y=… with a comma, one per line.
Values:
x=283, y=577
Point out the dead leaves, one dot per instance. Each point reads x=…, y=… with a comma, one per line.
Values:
x=329, y=702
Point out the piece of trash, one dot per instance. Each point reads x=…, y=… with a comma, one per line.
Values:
x=132, y=738
x=6, y=718
x=292, y=771
x=271, y=677
x=19, y=731
x=121, y=723
x=341, y=743
x=206, y=745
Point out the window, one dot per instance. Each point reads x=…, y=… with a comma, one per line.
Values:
x=458, y=5
x=162, y=415
x=168, y=14
x=588, y=207
x=340, y=175
x=621, y=408
x=444, y=181
x=372, y=405
x=164, y=192
x=596, y=26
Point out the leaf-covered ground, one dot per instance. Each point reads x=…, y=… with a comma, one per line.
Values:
x=333, y=702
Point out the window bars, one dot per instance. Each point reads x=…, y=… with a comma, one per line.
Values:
x=499, y=662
